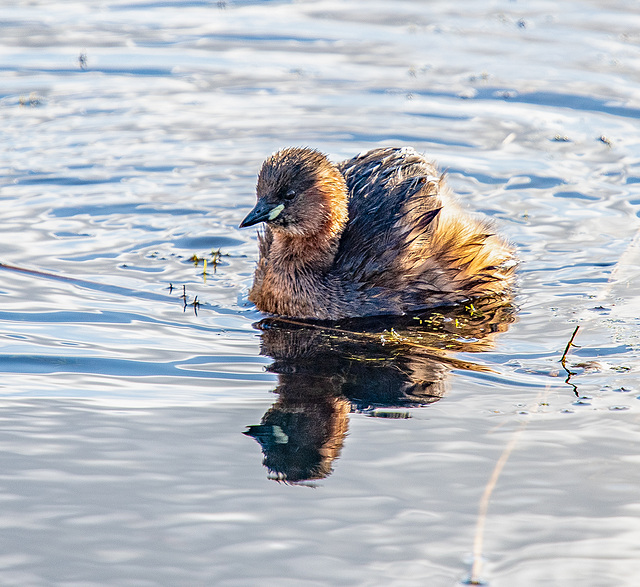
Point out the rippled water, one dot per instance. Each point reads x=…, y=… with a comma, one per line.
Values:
x=131, y=136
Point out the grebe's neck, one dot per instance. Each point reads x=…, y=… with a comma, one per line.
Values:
x=295, y=276
x=313, y=246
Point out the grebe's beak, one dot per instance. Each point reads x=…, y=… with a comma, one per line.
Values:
x=262, y=212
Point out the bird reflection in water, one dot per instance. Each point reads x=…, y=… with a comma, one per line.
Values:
x=375, y=366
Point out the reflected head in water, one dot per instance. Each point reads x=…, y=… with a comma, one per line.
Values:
x=328, y=370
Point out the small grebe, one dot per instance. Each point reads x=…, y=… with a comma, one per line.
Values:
x=375, y=235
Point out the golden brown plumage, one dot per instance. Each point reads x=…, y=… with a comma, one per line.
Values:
x=375, y=235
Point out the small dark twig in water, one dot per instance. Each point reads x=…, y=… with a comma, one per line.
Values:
x=563, y=362
x=184, y=297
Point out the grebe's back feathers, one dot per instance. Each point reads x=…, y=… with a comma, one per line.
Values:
x=395, y=195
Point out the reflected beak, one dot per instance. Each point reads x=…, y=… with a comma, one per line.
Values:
x=262, y=212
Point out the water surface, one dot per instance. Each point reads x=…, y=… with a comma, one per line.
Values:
x=132, y=133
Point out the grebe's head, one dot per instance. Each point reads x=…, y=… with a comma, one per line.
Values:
x=300, y=193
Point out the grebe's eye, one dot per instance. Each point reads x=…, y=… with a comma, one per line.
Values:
x=290, y=195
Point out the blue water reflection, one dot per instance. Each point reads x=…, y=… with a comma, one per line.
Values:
x=132, y=133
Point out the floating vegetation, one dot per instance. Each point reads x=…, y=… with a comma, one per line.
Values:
x=33, y=100
x=213, y=259
x=473, y=312
x=484, y=76
x=606, y=141
x=381, y=340
x=388, y=414
x=620, y=368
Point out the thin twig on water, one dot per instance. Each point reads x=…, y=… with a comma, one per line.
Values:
x=563, y=361
x=569, y=345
